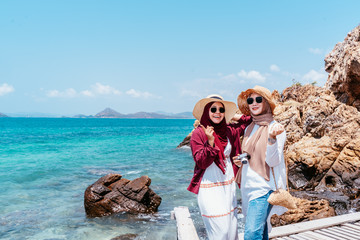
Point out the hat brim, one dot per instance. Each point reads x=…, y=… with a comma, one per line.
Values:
x=244, y=107
x=230, y=108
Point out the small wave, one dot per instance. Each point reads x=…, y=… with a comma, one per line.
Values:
x=100, y=171
x=134, y=172
x=184, y=147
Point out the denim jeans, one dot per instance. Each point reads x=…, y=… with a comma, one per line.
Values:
x=255, y=223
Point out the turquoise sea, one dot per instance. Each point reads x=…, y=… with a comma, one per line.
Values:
x=47, y=163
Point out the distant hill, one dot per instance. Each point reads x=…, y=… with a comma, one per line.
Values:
x=109, y=113
x=146, y=115
x=33, y=115
x=83, y=116
x=184, y=115
x=3, y=115
x=177, y=115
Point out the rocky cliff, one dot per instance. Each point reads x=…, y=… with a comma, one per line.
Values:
x=343, y=66
x=323, y=145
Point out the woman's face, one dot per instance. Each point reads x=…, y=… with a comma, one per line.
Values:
x=255, y=107
x=216, y=112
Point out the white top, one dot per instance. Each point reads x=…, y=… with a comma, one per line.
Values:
x=253, y=185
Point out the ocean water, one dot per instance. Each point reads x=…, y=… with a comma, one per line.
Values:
x=47, y=163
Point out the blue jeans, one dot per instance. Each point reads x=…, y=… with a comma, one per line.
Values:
x=255, y=223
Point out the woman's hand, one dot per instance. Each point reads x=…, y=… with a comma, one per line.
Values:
x=209, y=132
x=237, y=161
x=276, y=129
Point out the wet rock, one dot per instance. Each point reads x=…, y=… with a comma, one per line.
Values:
x=128, y=236
x=186, y=141
x=343, y=66
x=114, y=194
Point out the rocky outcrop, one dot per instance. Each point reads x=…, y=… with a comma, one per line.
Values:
x=114, y=194
x=186, y=141
x=323, y=144
x=343, y=66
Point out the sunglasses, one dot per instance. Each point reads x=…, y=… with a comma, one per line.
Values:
x=251, y=100
x=221, y=109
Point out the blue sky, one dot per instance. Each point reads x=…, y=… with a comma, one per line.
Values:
x=69, y=57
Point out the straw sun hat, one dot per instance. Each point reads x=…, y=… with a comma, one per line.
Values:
x=230, y=107
x=264, y=92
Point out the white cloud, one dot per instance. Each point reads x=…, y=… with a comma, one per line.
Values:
x=5, y=89
x=87, y=93
x=316, y=51
x=230, y=77
x=96, y=89
x=252, y=75
x=274, y=68
x=105, y=89
x=138, y=94
x=191, y=93
x=318, y=76
x=68, y=93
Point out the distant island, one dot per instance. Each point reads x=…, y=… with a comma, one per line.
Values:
x=111, y=113
x=108, y=113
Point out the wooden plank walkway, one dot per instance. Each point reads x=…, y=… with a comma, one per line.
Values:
x=185, y=225
x=342, y=227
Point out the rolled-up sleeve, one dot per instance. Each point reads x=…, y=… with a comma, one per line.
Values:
x=204, y=154
x=274, y=153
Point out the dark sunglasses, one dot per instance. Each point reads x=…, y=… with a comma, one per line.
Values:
x=251, y=100
x=221, y=109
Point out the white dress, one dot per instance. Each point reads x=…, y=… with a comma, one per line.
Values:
x=217, y=201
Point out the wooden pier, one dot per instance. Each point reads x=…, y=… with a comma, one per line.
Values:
x=185, y=225
x=342, y=227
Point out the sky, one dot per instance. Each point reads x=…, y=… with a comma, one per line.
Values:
x=72, y=57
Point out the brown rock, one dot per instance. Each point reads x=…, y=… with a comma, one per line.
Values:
x=319, y=131
x=343, y=66
x=345, y=172
x=186, y=141
x=307, y=210
x=128, y=236
x=113, y=194
x=309, y=160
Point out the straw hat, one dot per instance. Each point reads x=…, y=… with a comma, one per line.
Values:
x=264, y=92
x=230, y=107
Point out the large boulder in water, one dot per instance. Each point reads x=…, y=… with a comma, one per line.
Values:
x=114, y=194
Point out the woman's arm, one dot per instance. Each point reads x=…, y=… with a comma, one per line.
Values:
x=275, y=151
x=203, y=154
x=238, y=129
